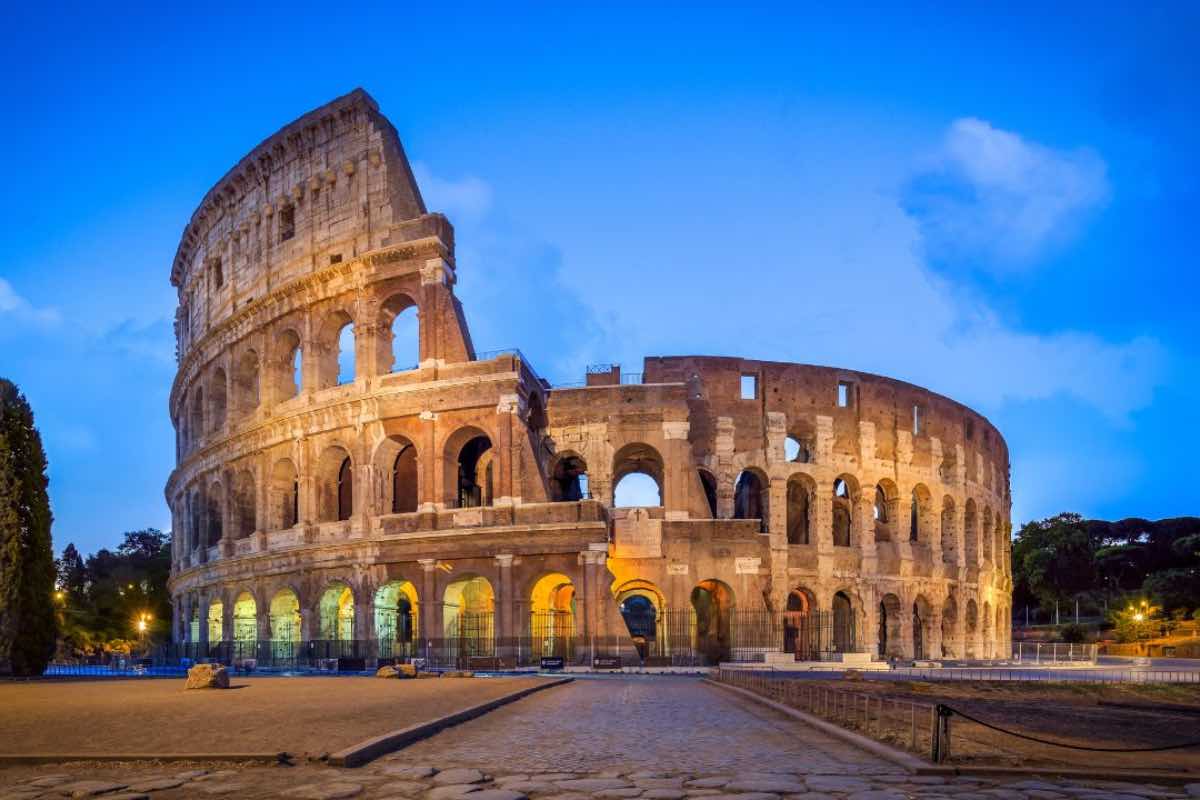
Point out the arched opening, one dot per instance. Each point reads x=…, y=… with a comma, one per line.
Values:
x=750, y=498
x=922, y=619
x=216, y=622
x=642, y=608
x=468, y=607
x=196, y=419
x=245, y=624
x=346, y=359
x=885, y=511
x=845, y=636
x=396, y=619
x=284, y=492
x=396, y=460
x=889, y=627
x=193, y=632
x=950, y=646
x=709, y=484
x=337, y=613
x=569, y=479
x=842, y=516
x=637, y=476
x=972, y=628
x=971, y=533
x=475, y=479
x=290, y=366
x=1003, y=558
x=798, y=490
x=335, y=485
x=712, y=602
x=922, y=517
x=215, y=515
x=552, y=622
x=798, y=628
x=218, y=397
x=335, y=351
x=400, y=344
x=949, y=532
x=244, y=493
x=987, y=534
x=285, y=616
x=245, y=381
x=796, y=450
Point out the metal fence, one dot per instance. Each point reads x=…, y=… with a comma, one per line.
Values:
x=1027, y=652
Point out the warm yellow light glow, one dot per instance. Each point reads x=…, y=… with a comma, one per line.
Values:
x=1138, y=617
x=58, y=595
x=141, y=626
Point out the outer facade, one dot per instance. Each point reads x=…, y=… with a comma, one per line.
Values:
x=327, y=489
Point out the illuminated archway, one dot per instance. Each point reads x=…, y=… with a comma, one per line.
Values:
x=396, y=618
x=552, y=622
x=712, y=602
x=285, y=616
x=337, y=613
x=216, y=631
x=245, y=618
x=468, y=612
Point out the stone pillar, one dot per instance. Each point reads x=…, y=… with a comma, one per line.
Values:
x=430, y=464
x=226, y=620
x=504, y=630
x=364, y=625
x=777, y=530
x=203, y=627
x=933, y=642
x=508, y=411
x=723, y=467
x=676, y=469
x=431, y=604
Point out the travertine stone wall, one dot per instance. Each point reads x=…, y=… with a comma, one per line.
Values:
x=284, y=486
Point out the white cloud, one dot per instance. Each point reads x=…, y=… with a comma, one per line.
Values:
x=16, y=307
x=468, y=197
x=991, y=197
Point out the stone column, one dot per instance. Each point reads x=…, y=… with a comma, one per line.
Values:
x=430, y=465
x=508, y=411
x=364, y=625
x=203, y=631
x=431, y=604
x=503, y=625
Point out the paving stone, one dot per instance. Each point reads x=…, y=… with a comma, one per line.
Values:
x=50, y=780
x=23, y=794
x=593, y=784
x=702, y=792
x=530, y=787
x=744, y=796
x=503, y=779
x=412, y=773
x=156, y=784
x=192, y=774
x=707, y=783
x=218, y=775
x=221, y=788
x=497, y=794
x=555, y=776
x=1192, y=789
x=567, y=796
x=617, y=794
x=664, y=794
x=878, y=794
x=659, y=783
x=410, y=788
x=836, y=783
x=461, y=775
x=325, y=791
x=88, y=788
x=776, y=786
x=811, y=796
x=127, y=796
x=452, y=792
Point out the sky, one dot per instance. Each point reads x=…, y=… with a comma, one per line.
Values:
x=997, y=204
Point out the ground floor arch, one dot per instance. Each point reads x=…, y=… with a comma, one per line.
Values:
x=285, y=616
x=844, y=628
x=712, y=603
x=889, y=638
x=798, y=620
x=552, y=615
x=396, y=618
x=468, y=617
x=337, y=613
x=216, y=622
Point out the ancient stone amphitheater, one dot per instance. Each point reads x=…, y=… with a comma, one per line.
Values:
x=355, y=480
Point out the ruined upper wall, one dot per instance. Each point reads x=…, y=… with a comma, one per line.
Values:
x=329, y=186
x=803, y=392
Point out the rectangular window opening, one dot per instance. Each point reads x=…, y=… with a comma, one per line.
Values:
x=287, y=223
x=917, y=421
x=844, y=394
x=749, y=387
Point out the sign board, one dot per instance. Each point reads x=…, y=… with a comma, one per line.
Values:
x=606, y=662
x=677, y=569
x=552, y=662
x=746, y=566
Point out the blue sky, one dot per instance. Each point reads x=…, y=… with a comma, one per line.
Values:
x=998, y=205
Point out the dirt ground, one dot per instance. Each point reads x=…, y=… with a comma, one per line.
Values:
x=1072, y=713
x=301, y=716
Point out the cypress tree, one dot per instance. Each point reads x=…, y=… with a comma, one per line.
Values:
x=28, y=628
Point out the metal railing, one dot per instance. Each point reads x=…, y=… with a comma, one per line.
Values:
x=1054, y=652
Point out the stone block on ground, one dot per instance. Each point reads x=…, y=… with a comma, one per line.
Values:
x=208, y=676
x=449, y=777
x=88, y=788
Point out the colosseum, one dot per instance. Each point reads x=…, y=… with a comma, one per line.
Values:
x=355, y=480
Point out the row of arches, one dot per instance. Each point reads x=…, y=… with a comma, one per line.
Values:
x=333, y=357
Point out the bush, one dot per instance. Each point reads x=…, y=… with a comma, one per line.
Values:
x=1072, y=634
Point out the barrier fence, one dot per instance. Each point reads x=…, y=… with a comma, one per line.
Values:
x=1033, y=652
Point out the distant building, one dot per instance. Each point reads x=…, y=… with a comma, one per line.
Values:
x=353, y=478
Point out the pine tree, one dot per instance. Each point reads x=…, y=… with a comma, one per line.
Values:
x=28, y=627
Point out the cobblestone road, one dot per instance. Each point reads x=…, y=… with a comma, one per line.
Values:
x=642, y=723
